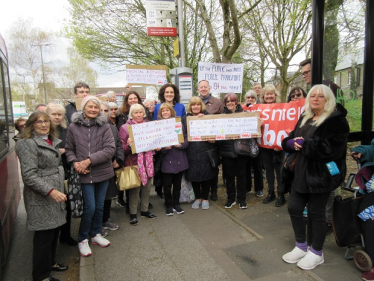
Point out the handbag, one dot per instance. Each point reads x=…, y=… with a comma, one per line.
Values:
x=213, y=157
x=186, y=194
x=246, y=147
x=75, y=193
x=290, y=161
x=128, y=177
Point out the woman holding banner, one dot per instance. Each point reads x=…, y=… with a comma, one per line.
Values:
x=233, y=164
x=169, y=93
x=144, y=161
x=174, y=163
x=272, y=158
x=200, y=171
x=319, y=141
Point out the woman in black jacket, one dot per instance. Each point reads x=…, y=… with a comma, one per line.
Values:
x=200, y=171
x=320, y=138
x=233, y=164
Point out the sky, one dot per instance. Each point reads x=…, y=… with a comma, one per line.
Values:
x=50, y=15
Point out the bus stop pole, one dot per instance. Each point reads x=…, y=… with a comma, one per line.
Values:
x=182, y=61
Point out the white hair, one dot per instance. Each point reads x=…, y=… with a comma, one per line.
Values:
x=110, y=94
x=328, y=108
x=134, y=107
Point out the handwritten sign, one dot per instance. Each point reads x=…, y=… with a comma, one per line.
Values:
x=146, y=74
x=224, y=126
x=161, y=133
x=223, y=78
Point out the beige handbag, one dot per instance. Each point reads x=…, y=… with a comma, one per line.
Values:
x=128, y=177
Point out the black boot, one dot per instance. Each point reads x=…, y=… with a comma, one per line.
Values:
x=133, y=219
x=214, y=196
x=269, y=198
x=280, y=200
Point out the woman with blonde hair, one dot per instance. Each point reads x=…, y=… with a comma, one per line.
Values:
x=272, y=158
x=200, y=171
x=174, y=163
x=319, y=140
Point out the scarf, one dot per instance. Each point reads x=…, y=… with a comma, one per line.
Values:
x=205, y=100
x=145, y=166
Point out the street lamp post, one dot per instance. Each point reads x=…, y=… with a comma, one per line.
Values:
x=41, y=56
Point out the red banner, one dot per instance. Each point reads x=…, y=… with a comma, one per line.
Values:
x=279, y=120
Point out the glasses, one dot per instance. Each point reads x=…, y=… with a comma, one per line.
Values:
x=228, y=101
x=105, y=110
x=40, y=122
x=251, y=97
x=295, y=95
x=113, y=109
x=305, y=73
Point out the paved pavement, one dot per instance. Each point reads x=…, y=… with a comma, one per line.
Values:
x=214, y=244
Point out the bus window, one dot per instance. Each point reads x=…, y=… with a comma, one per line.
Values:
x=3, y=131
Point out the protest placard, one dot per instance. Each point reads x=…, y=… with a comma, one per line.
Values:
x=145, y=75
x=279, y=120
x=161, y=133
x=222, y=78
x=224, y=126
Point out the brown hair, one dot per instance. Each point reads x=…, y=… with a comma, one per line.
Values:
x=16, y=124
x=163, y=106
x=27, y=133
x=125, y=108
x=80, y=85
x=305, y=62
x=232, y=97
x=161, y=93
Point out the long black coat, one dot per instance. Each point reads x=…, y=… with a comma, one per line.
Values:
x=198, y=160
x=328, y=143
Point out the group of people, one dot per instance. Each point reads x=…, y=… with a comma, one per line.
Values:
x=97, y=142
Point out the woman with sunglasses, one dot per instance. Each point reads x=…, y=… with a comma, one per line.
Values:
x=296, y=94
x=112, y=112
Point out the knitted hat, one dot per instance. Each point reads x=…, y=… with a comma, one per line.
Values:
x=90, y=98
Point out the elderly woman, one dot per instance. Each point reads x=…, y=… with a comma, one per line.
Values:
x=89, y=148
x=56, y=113
x=169, y=93
x=150, y=105
x=144, y=161
x=319, y=138
x=296, y=94
x=200, y=171
x=254, y=163
x=131, y=98
x=43, y=178
x=234, y=165
x=112, y=111
x=250, y=99
x=272, y=158
x=117, y=162
x=174, y=163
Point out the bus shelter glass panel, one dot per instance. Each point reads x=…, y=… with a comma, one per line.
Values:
x=3, y=120
x=344, y=54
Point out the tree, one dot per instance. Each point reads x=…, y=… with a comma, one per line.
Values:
x=281, y=29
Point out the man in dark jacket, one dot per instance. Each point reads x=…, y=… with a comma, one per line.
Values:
x=81, y=90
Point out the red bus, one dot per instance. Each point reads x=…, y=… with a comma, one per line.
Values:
x=10, y=194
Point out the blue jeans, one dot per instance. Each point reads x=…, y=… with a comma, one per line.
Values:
x=92, y=218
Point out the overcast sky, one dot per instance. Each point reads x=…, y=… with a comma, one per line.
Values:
x=49, y=15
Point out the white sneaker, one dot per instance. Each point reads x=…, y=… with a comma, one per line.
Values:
x=310, y=261
x=196, y=204
x=99, y=240
x=294, y=256
x=84, y=248
x=205, y=205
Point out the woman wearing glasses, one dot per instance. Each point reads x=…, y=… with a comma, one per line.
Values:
x=43, y=178
x=254, y=163
x=296, y=94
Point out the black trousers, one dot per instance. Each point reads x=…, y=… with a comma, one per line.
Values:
x=44, y=251
x=172, y=181
x=65, y=228
x=236, y=168
x=273, y=161
x=214, y=182
x=256, y=164
x=201, y=189
x=106, y=212
x=316, y=225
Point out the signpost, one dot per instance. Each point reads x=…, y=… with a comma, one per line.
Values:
x=161, y=18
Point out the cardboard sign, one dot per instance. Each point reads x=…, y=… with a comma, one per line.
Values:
x=151, y=135
x=279, y=120
x=224, y=126
x=146, y=75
